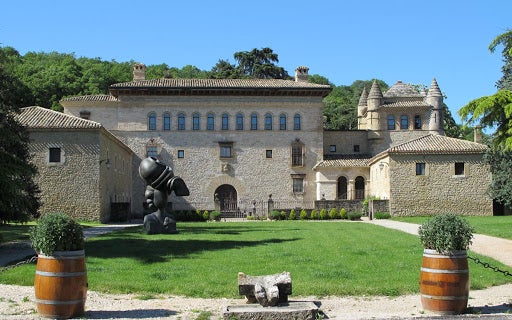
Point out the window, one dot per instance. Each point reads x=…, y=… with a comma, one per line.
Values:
x=391, y=122
x=297, y=155
x=268, y=154
x=420, y=168
x=152, y=121
x=239, y=121
x=195, y=121
x=298, y=183
x=356, y=148
x=268, y=121
x=332, y=148
x=226, y=149
x=404, y=122
x=181, y=154
x=282, y=122
x=85, y=115
x=54, y=155
x=167, y=121
x=459, y=168
x=254, y=121
x=225, y=121
x=296, y=122
x=181, y=121
x=152, y=151
x=211, y=122
x=417, y=122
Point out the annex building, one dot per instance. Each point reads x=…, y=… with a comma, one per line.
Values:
x=237, y=142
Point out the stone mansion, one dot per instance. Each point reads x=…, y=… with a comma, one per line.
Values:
x=237, y=141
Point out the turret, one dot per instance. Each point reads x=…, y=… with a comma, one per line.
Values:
x=301, y=74
x=139, y=71
x=362, y=107
x=373, y=103
x=435, y=99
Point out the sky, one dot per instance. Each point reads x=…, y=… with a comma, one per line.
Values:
x=342, y=40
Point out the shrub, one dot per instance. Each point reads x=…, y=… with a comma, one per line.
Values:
x=250, y=218
x=382, y=215
x=333, y=213
x=343, y=213
x=292, y=215
x=323, y=214
x=303, y=214
x=215, y=216
x=314, y=214
x=206, y=215
x=274, y=215
x=446, y=233
x=355, y=215
x=56, y=232
x=283, y=215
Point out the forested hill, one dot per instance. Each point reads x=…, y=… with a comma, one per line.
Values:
x=49, y=77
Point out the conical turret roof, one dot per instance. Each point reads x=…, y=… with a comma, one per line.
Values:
x=363, y=98
x=375, y=91
x=434, y=89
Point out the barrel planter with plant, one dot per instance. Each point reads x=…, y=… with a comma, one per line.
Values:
x=444, y=277
x=61, y=277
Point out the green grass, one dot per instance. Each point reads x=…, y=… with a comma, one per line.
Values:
x=19, y=231
x=496, y=226
x=203, y=260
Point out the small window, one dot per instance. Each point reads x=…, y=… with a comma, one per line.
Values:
x=268, y=154
x=282, y=122
x=54, y=155
x=420, y=168
x=167, y=121
x=296, y=122
x=152, y=121
x=254, y=121
x=404, y=122
x=239, y=121
x=225, y=121
x=85, y=115
x=391, y=122
x=268, y=121
x=417, y=122
x=181, y=154
x=297, y=155
x=152, y=151
x=181, y=121
x=356, y=148
x=195, y=121
x=459, y=168
x=298, y=184
x=226, y=150
x=332, y=148
x=210, y=122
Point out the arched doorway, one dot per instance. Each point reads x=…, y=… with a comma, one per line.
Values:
x=359, y=186
x=342, y=188
x=227, y=198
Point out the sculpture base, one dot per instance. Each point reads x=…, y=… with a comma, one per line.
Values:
x=299, y=310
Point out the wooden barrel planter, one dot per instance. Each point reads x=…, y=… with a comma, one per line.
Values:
x=61, y=284
x=444, y=282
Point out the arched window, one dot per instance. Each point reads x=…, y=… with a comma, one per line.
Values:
x=181, y=121
x=296, y=122
x=391, y=122
x=152, y=121
x=417, y=122
x=195, y=121
x=359, y=188
x=225, y=121
x=254, y=121
x=342, y=188
x=210, y=122
x=167, y=121
x=239, y=121
x=282, y=122
x=404, y=122
x=268, y=121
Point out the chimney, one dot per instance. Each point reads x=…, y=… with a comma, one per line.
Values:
x=139, y=71
x=301, y=74
x=477, y=134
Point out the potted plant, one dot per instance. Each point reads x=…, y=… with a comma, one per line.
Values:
x=61, y=277
x=444, y=277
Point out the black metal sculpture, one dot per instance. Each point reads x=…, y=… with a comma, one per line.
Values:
x=161, y=183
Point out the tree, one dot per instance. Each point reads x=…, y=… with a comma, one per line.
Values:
x=505, y=40
x=500, y=162
x=18, y=191
x=224, y=70
x=259, y=64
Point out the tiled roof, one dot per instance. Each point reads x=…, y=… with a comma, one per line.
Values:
x=406, y=104
x=437, y=144
x=42, y=118
x=98, y=97
x=336, y=161
x=401, y=89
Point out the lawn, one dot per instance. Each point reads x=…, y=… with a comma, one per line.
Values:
x=496, y=226
x=19, y=231
x=203, y=260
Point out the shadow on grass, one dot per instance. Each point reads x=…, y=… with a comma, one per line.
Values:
x=131, y=314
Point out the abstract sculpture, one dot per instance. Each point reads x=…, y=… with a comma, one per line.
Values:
x=161, y=183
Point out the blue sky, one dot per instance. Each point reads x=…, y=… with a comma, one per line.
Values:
x=342, y=40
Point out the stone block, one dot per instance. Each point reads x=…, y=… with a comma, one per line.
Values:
x=297, y=310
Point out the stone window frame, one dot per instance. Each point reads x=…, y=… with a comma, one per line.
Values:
x=210, y=121
x=404, y=122
x=152, y=121
x=239, y=121
x=282, y=121
x=85, y=114
x=460, y=169
x=391, y=122
x=196, y=121
x=297, y=122
x=357, y=148
x=181, y=121
x=181, y=154
x=268, y=121
x=254, y=121
x=62, y=155
x=421, y=169
x=417, y=122
x=297, y=153
x=298, y=183
x=226, y=150
x=332, y=148
x=152, y=150
x=166, y=121
x=268, y=154
x=225, y=121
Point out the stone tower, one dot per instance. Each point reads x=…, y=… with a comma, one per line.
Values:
x=139, y=71
x=435, y=99
x=301, y=74
x=373, y=103
x=362, y=108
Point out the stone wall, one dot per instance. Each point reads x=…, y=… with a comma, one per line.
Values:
x=439, y=190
